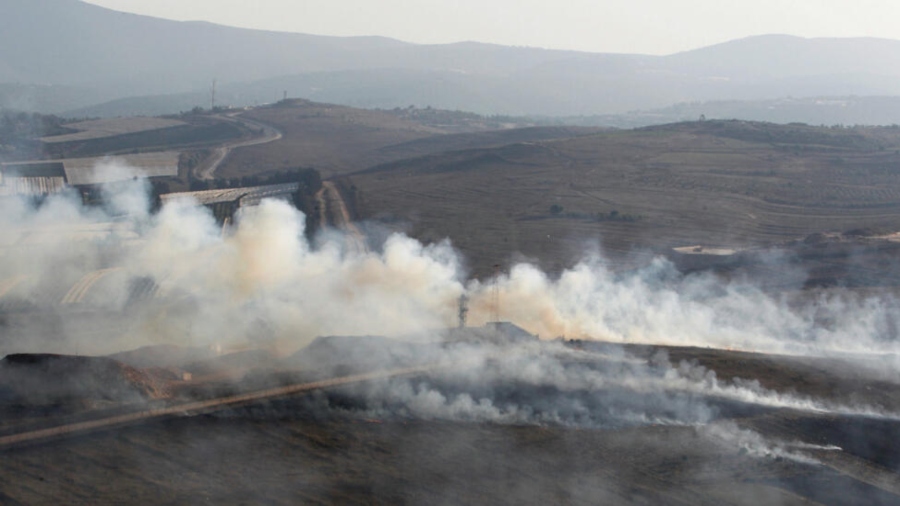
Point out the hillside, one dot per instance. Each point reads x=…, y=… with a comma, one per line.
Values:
x=337, y=139
x=715, y=183
x=80, y=46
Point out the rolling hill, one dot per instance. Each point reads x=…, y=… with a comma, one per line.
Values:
x=338, y=139
x=728, y=183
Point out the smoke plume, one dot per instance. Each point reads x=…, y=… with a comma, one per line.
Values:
x=103, y=279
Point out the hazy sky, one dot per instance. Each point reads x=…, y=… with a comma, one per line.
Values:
x=630, y=26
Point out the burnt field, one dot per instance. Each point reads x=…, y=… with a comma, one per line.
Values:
x=633, y=425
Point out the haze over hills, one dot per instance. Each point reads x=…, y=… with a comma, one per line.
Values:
x=78, y=46
x=311, y=302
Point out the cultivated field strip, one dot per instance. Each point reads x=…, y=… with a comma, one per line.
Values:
x=110, y=127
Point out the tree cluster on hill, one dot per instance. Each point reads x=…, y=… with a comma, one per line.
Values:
x=431, y=116
x=20, y=132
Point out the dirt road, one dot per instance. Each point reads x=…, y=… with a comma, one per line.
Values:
x=207, y=168
x=333, y=212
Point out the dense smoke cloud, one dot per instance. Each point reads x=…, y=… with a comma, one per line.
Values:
x=260, y=283
x=222, y=286
x=657, y=305
x=215, y=285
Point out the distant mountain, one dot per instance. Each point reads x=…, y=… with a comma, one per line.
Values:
x=820, y=110
x=74, y=44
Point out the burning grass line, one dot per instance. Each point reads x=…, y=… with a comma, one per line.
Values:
x=206, y=406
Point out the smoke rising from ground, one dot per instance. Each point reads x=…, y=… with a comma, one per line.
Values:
x=548, y=383
x=656, y=305
x=260, y=283
x=220, y=285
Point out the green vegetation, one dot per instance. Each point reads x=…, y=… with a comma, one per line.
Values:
x=462, y=120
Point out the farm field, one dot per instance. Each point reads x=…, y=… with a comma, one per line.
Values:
x=96, y=129
x=83, y=171
x=133, y=135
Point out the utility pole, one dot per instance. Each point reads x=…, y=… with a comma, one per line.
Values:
x=212, y=98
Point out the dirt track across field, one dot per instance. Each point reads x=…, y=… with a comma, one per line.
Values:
x=207, y=169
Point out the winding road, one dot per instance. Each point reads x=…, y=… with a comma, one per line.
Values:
x=207, y=168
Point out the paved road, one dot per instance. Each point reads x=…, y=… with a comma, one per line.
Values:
x=207, y=168
x=192, y=408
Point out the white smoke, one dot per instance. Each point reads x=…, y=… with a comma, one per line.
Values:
x=548, y=383
x=264, y=270
x=260, y=283
x=656, y=305
x=220, y=286
x=753, y=444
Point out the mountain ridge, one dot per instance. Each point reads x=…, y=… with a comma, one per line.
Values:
x=72, y=43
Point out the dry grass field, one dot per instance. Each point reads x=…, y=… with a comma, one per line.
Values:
x=718, y=183
x=337, y=139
